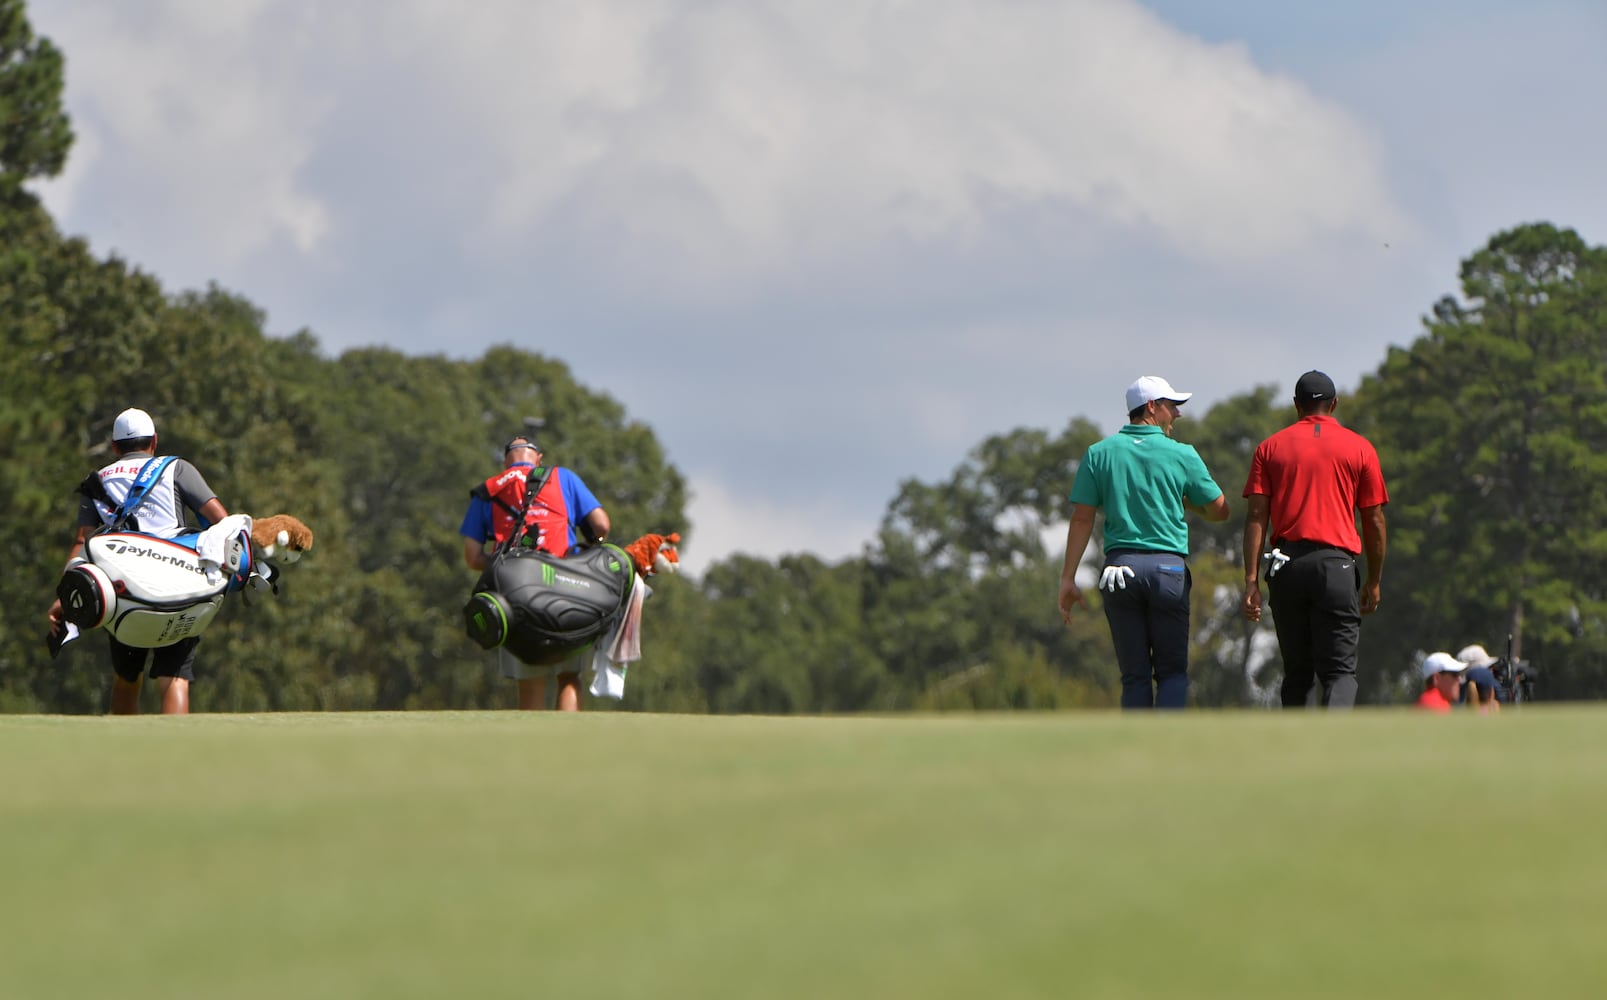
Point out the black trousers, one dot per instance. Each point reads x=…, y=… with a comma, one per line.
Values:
x=1316, y=609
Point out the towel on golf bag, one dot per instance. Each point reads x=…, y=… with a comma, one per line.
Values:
x=541, y=608
x=217, y=549
x=621, y=647
x=150, y=592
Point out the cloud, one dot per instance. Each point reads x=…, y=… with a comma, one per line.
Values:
x=190, y=106
x=732, y=141
x=745, y=140
x=728, y=520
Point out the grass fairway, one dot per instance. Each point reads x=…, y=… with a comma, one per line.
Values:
x=1379, y=854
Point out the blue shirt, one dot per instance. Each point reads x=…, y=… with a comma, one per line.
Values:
x=1484, y=677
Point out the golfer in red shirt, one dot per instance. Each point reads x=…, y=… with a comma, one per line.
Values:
x=1309, y=481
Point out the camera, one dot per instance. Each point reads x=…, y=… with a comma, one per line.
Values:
x=1514, y=679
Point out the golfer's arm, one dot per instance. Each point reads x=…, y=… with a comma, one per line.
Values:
x=1255, y=536
x=473, y=554
x=1216, y=511
x=1077, y=535
x=1372, y=542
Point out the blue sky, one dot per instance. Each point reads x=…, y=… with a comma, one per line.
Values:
x=824, y=248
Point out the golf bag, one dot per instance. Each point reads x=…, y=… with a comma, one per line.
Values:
x=148, y=591
x=541, y=607
x=145, y=590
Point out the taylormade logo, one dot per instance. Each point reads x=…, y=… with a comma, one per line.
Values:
x=125, y=549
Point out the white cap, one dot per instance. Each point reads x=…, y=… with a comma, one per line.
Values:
x=1475, y=656
x=1442, y=663
x=1153, y=387
x=131, y=424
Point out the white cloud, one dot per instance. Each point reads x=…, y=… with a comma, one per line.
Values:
x=698, y=148
x=198, y=103
x=729, y=519
x=758, y=137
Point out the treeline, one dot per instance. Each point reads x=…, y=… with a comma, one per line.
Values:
x=1492, y=428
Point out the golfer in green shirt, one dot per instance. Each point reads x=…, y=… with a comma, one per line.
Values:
x=1143, y=480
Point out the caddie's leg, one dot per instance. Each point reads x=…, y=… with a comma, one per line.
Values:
x=532, y=681
x=125, y=697
x=173, y=668
x=568, y=692
x=532, y=694
x=569, y=673
x=175, y=695
x=128, y=665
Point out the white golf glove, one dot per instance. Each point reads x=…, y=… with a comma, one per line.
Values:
x=1276, y=560
x=1114, y=577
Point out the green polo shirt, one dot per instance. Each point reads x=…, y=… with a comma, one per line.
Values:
x=1140, y=478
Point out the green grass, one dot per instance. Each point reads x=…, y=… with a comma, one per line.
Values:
x=1379, y=854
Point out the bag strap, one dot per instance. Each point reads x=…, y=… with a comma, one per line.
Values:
x=520, y=527
x=139, y=491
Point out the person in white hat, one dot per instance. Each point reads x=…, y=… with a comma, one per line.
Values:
x=1143, y=481
x=1479, y=687
x=179, y=488
x=1442, y=682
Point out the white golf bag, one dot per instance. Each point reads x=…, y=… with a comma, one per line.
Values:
x=148, y=591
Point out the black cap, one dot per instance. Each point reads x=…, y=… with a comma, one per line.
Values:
x=1314, y=385
x=520, y=441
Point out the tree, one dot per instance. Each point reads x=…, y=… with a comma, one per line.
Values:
x=1493, y=431
x=1231, y=661
x=35, y=132
x=963, y=569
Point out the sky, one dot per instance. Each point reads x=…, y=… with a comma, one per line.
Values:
x=825, y=248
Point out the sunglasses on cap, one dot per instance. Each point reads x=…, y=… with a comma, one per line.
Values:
x=520, y=442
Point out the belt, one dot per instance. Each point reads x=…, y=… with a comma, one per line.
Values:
x=1143, y=552
x=1294, y=550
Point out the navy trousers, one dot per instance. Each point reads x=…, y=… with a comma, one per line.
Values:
x=1149, y=625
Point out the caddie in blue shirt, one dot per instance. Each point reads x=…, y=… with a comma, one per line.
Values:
x=562, y=503
x=1143, y=481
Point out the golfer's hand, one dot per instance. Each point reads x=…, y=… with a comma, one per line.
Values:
x=1070, y=595
x=1369, y=598
x=55, y=617
x=1252, y=602
x=1115, y=577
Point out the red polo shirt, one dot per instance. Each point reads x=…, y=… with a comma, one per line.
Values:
x=1316, y=474
x=1433, y=701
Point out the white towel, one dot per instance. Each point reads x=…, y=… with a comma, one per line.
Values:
x=213, y=546
x=620, y=647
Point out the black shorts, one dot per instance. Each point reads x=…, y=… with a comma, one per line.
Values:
x=177, y=660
